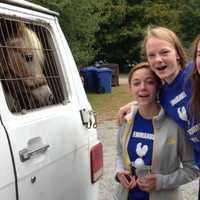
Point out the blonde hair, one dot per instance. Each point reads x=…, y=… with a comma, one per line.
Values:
x=169, y=36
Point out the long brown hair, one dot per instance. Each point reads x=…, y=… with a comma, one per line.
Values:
x=195, y=79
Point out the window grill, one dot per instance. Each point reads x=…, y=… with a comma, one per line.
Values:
x=28, y=68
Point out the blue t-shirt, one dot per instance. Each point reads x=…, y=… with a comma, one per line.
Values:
x=142, y=132
x=175, y=98
x=193, y=132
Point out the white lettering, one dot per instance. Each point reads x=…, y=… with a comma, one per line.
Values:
x=194, y=129
x=194, y=139
x=143, y=135
x=178, y=98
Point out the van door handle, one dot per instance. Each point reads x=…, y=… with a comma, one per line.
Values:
x=26, y=154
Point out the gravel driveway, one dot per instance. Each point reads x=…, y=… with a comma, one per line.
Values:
x=107, y=134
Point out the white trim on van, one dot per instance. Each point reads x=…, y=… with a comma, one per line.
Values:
x=26, y=4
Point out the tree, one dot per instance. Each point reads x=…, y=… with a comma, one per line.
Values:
x=79, y=21
x=190, y=20
x=120, y=37
x=113, y=30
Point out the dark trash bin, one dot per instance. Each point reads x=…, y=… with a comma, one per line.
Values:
x=115, y=72
x=104, y=79
x=90, y=78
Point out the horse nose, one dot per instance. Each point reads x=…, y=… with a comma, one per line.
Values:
x=43, y=95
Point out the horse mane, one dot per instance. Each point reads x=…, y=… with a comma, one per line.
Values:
x=30, y=41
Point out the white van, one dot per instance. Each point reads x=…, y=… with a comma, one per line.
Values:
x=48, y=142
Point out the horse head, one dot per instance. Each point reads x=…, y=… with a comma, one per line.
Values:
x=25, y=61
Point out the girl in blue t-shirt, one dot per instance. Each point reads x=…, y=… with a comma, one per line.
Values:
x=151, y=148
x=166, y=57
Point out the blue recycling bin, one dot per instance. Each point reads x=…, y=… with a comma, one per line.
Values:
x=90, y=78
x=104, y=80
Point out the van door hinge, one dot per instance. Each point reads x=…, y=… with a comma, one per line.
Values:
x=88, y=118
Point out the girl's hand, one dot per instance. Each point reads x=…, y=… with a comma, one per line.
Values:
x=133, y=182
x=147, y=183
x=126, y=180
x=123, y=111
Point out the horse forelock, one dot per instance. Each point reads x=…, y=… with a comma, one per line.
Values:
x=32, y=41
x=26, y=40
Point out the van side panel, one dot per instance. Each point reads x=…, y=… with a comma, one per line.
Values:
x=7, y=180
x=64, y=169
x=70, y=182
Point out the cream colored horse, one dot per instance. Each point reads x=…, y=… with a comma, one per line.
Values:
x=25, y=62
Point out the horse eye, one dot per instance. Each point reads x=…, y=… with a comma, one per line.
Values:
x=27, y=56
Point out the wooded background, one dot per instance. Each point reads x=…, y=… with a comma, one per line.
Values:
x=113, y=30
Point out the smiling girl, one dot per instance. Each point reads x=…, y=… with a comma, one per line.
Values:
x=150, y=142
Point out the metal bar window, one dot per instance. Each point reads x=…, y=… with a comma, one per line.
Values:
x=28, y=68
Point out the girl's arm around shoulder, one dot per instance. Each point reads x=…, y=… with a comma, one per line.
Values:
x=186, y=172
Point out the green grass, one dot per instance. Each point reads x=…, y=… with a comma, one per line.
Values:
x=107, y=105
